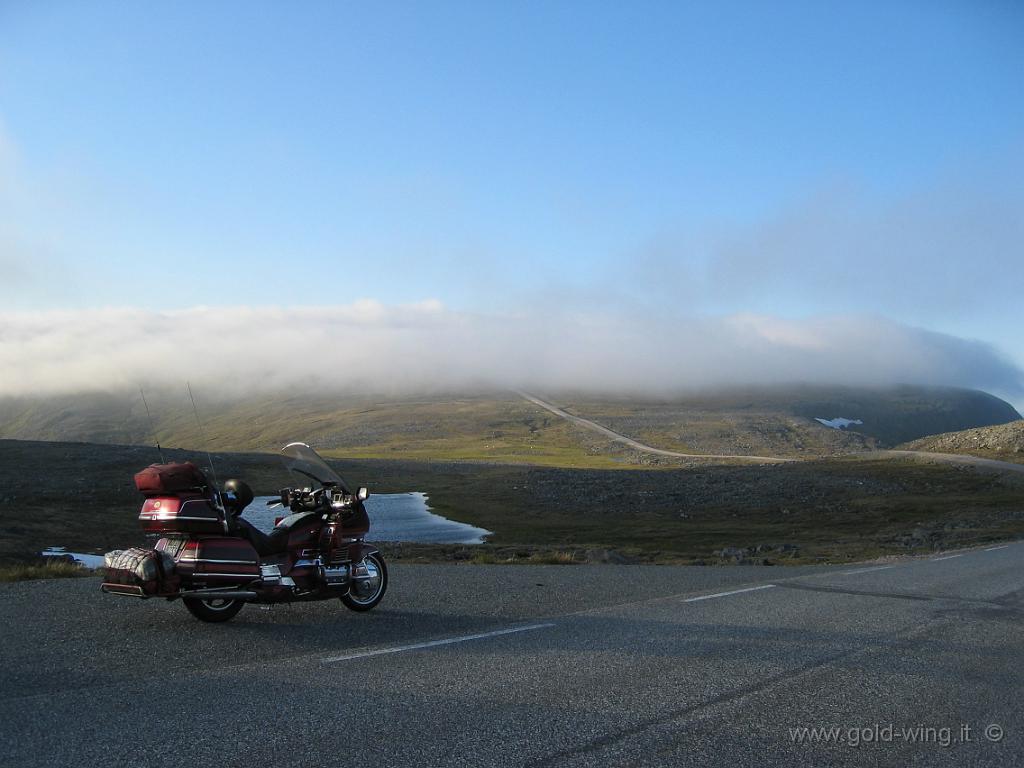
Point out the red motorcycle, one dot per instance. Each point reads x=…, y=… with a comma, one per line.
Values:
x=215, y=561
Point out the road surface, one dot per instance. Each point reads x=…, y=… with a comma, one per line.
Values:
x=536, y=666
x=976, y=462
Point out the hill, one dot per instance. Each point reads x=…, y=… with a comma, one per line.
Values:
x=502, y=427
x=788, y=421
x=1002, y=441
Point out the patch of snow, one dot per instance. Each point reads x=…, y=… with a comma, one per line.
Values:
x=839, y=422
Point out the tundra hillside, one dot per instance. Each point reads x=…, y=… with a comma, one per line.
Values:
x=81, y=496
x=502, y=427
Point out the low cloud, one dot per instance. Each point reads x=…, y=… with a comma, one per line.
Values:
x=372, y=347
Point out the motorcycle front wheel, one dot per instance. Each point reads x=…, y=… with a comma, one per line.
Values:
x=212, y=610
x=365, y=594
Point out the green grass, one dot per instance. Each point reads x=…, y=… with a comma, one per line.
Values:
x=53, y=569
x=533, y=558
x=545, y=457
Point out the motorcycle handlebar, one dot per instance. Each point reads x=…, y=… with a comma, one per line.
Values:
x=299, y=500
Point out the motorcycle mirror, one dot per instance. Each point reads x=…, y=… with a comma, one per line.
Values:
x=363, y=494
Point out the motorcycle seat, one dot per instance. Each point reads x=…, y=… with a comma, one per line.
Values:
x=273, y=544
x=276, y=541
x=287, y=523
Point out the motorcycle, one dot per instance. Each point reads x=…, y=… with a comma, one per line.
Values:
x=215, y=561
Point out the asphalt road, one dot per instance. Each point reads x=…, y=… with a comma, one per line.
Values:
x=534, y=666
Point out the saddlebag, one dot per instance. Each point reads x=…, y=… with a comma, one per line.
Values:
x=149, y=570
x=165, y=479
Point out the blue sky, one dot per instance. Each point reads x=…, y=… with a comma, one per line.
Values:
x=790, y=159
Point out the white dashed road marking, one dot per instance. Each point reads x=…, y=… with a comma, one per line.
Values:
x=436, y=643
x=726, y=594
x=866, y=570
x=531, y=627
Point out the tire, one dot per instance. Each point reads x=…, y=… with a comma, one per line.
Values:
x=213, y=610
x=366, y=602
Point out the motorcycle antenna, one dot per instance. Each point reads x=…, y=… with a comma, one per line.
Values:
x=152, y=428
x=202, y=434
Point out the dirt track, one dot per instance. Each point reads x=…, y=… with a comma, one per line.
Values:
x=620, y=438
x=948, y=458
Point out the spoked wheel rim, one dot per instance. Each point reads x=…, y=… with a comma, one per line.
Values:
x=367, y=591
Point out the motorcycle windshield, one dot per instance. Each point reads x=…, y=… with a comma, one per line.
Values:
x=302, y=460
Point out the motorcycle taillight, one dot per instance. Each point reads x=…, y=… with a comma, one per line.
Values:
x=163, y=506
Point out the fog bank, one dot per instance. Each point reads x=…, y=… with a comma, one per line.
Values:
x=425, y=347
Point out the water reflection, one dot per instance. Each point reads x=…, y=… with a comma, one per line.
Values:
x=393, y=517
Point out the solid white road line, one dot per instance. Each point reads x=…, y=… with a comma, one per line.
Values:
x=993, y=549
x=947, y=557
x=726, y=594
x=866, y=570
x=435, y=643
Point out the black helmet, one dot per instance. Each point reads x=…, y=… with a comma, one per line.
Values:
x=237, y=495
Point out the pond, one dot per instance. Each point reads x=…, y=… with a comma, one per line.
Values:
x=393, y=517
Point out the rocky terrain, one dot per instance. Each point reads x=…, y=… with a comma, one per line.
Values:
x=1002, y=441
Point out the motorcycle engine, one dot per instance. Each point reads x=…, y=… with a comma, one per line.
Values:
x=336, y=576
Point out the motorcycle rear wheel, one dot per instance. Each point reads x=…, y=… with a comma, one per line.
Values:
x=213, y=610
x=365, y=601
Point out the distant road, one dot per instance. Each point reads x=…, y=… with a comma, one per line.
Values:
x=503, y=666
x=955, y=458
x=620, y=438
x=946, y=458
